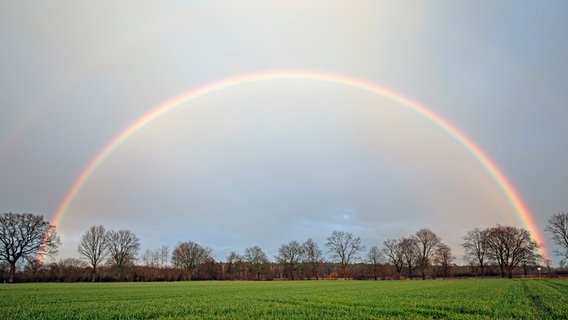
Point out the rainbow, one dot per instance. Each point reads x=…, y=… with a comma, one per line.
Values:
x=489, y=165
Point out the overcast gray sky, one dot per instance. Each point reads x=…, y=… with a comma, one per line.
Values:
x=275, y=161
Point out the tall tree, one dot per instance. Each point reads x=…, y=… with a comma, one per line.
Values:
x=313, y=256
x=25, y=236
x=257, y=260
x=235, y=265
x=443, y=258
x=123, y=246
x=558, y=229
x=475, y=245
x=344, y=248
x=93, y=247
x=375, y=258
x=509, y=246
x=410, y=250
x=426, y=240
x=394, y=252
x=290, y=255
x=188, y=255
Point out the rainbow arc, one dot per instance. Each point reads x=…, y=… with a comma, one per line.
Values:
x=489, y=165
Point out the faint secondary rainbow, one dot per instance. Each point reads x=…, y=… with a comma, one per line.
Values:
x=489, y=165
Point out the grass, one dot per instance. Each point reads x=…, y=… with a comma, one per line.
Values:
x=431, y=299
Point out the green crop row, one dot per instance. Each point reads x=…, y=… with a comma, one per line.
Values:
x=433, y=299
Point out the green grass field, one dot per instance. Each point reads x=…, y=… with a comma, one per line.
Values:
x=453, y=299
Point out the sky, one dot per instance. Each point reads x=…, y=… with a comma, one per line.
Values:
x=275, y=160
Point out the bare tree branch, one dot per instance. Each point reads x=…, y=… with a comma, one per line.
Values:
x=25, y=236
x=344, y=248
x=558, y=229
x=93, y=246
x=188, y=255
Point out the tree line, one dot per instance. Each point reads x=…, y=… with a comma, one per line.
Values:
x=109, y=255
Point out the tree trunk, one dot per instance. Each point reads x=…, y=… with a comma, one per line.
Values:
x=375, y=273
x=292, y=271
x=502, y=270
x=12, y=272
x=120, y=274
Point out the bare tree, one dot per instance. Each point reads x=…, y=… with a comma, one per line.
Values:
x=426, y=241
x=290, y=255
x=25, y=236
x=235, y=265
x=344, y=248
x=313, y=256
x=558, y=229
x=36, y=268
x=188, y=255
x=443, y=258
x=164, y=255
x=548, y=264
x=509, y=246
x=151, y=258
x=475, y=245
x=257, y=260
x=123, y=246
x=71, y=269
x=93, y=247
x=410, y=250
x=393, y=251
x=530, y=260
x=156, y=258
x=375, y=258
